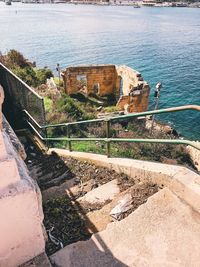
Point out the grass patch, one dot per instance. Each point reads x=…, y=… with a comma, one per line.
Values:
x=110, y=109
x=89, y=146
x=58, y=82
x=48, y=104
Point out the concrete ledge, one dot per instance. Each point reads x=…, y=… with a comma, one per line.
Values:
x=101, y=194
x=180, y=180
x=8, y=177
x=21, y=229
x=3, y=154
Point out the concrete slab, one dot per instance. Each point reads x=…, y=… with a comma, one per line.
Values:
x=57, y=191
x=98, y=220
x=39, y=261
x=162, y=232
x=101, y=194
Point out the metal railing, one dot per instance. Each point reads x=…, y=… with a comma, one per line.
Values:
x=42, y=130
x=21, y=96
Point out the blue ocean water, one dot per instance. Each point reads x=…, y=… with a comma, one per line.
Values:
x=162, y=43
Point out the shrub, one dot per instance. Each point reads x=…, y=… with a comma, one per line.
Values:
x=73, y=108
x=27, y=75
x=42, y=75
x=16, y=59
x=24, y=69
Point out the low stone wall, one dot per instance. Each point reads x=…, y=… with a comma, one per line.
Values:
x=21, y=228
x=195, y=155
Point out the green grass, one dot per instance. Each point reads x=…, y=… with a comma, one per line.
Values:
x=110, y=109
x=48, y=104
x=56, y=80
x=82, y=146
x=87, y=146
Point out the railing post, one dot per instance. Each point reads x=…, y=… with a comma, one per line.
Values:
x=68, y=136
x=108, y=136
x=46, y=136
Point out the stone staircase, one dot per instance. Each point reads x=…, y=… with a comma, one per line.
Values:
x=48, y=170
x=83, y=204
x=102, y=218
x=162, y=232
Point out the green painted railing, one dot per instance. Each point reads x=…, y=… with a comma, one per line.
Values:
x=108, y=140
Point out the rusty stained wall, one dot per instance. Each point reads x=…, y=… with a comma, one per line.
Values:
x=105, y=76
x=134, y=92
x=137, y=103
x=125, y=83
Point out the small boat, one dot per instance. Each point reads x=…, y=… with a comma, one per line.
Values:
x=137, y=6
x=59, y=2
x=8, y=2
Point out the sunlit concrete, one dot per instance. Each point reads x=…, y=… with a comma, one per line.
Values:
x=162, y=232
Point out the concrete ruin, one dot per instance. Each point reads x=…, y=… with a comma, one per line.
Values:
x=123, y=83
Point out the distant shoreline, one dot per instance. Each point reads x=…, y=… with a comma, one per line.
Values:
x=136, y=4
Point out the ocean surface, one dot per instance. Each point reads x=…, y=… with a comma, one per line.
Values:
x=162, y=43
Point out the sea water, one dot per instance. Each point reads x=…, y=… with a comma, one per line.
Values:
x=161, y=43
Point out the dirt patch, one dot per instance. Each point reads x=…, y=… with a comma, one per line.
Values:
x=86, y=171
x=69, y=219
x=87, y=176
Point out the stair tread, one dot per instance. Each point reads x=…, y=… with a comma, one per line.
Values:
x=101, y=218
x=102, y=193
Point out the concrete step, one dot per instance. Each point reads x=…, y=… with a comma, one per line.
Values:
x=74, y=192
x=162, y=232
x=67, y=189
x=97, y=220
x=101, y=194
x=138, y=194
x=47, y=170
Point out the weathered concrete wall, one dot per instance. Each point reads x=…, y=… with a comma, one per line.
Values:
x=21, y=228
x=195, y=155
x=134, y=92
x=103, y=75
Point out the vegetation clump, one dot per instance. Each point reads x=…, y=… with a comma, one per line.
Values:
x=25, y=69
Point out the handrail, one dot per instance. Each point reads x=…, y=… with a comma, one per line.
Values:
x=128, y=116
x=109, y=140
x=20, y=80
x=31, y=117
